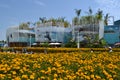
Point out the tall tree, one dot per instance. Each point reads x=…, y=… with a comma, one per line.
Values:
x=90, y=14
x=90, y=11
x=106, y=18
x=78, y=12
x=61, y=19
x=37, y=23
x=42, y=19
x=28, y=23
x=99, y=14
x=75, y=20
x=53, y=21
x=66, y=23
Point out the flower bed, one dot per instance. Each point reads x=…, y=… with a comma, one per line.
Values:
x=56, y=50
x=60, y=66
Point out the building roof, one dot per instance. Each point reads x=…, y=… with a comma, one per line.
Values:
x=117, y=22
x=25, y=31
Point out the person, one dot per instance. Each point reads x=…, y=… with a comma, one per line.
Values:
x=24, y=50
x=110, y=49
x=45, y=50
x=91, y=50
x=5, y=45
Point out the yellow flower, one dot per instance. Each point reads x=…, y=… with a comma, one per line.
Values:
x=114, y=76
x=9, y=75
x=60, y=79
x=21, y=71
x=24, y=68
x=38, y=79
x=53, y=68
x=17, y=78
x=32, y=77
x=43, y=71
x=92, y=76
x=87, y=77
x=42, y=77
x=25, y=76
x=110, y=78
x=8, y=68
x=3, y=69
x=17, y=67
x=54, y=79
x=14, y=72
x=2, y=76
x=98, y=77
x=55, y=75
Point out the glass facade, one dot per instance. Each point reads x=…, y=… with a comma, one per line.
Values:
x=15, y=36
x=53, y=34
x=112, y=34
x=48, y=33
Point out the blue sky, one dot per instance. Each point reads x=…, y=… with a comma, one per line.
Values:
x=14, y=12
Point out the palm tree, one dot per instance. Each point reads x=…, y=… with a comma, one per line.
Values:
x=90, y=14
x=28, y=23
x=90, y=11
x=24, y=26
x=53, y=21
x=91, y=19
x=42, y=19
x=61, y=19
x=75, y=20
x=78, y=12
x=38, y=23
x=66, y=23
x=99, y=15
x=106, y=18
x=87, y=19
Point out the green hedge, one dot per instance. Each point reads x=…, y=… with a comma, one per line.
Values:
x=41, y=50
x=56, y=50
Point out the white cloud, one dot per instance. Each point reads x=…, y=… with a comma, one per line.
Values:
x=4, y=6
x=109, y=6
x=108, y=3
x=40, y=3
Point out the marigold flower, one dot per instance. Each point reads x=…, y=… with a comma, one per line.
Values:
x=14, y=72
x=32, y=77
x=110, y=78
x=55, y=75
x=42, y=77
x=17, y=78
x=92, y=76
x=25, y=76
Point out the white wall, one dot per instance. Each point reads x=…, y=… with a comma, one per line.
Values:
x=101, y=29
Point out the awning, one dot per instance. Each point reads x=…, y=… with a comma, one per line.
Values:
x=54, y=43
x=117, y=44
x=34, y=44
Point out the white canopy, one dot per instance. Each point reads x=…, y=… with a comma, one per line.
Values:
x=55, y=44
